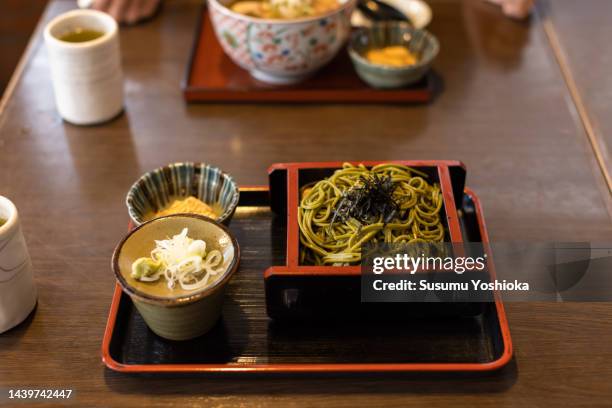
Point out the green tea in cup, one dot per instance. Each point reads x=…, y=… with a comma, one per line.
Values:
x=84, y=44
x=81, y=35
x=2, y=221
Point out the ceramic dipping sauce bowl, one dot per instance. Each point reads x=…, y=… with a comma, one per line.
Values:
x=391, y=33
x=176, y=314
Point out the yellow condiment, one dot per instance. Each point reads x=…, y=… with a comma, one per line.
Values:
x=394, y=56
x=284, y=9
x=189, y=205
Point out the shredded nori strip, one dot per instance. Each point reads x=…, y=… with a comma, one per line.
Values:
x=369, y=201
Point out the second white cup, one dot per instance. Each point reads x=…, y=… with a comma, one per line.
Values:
x=17, y=290
x=87, y=76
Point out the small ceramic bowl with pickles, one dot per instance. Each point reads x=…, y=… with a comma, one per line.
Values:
x=193, y=304
x=392, y=54
x=183, y=188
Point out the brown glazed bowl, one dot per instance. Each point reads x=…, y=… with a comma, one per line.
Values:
x=176, y=314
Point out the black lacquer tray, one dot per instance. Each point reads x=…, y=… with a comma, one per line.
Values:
x=246, y=340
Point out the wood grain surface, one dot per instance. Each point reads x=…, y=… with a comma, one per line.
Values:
x=582, y=32
x=17, y=21
x=504, y=111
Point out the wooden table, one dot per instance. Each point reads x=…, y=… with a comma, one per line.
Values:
x=505, y=111
x=582, y=31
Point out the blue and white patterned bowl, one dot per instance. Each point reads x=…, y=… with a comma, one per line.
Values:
x=156, y=189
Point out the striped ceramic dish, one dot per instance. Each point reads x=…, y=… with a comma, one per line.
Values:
x=156, y=189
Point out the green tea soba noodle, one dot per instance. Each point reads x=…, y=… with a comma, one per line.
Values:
x=388, y=203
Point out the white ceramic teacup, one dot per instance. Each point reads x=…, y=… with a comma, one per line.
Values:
x=87, y=76
x=17, y=289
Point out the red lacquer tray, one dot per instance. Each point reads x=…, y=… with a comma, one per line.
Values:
x=212, y=77
x=245, y=340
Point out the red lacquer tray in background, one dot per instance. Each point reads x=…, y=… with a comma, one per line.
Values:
x=246, y=341
x=213, y=77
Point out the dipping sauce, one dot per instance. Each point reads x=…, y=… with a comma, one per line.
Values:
x=182, y=262
x=284, y=9
x=2, y=221
x=81, y=35
x=393, y=56
x=189, y=205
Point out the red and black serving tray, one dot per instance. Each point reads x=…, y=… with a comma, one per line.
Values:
x=247, y=340
x=212, y=77
x=295, y=291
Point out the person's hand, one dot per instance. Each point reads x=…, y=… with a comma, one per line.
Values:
x=515, y=8
x=127, y=11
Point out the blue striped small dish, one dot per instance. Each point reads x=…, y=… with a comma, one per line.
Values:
x=156, y=189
